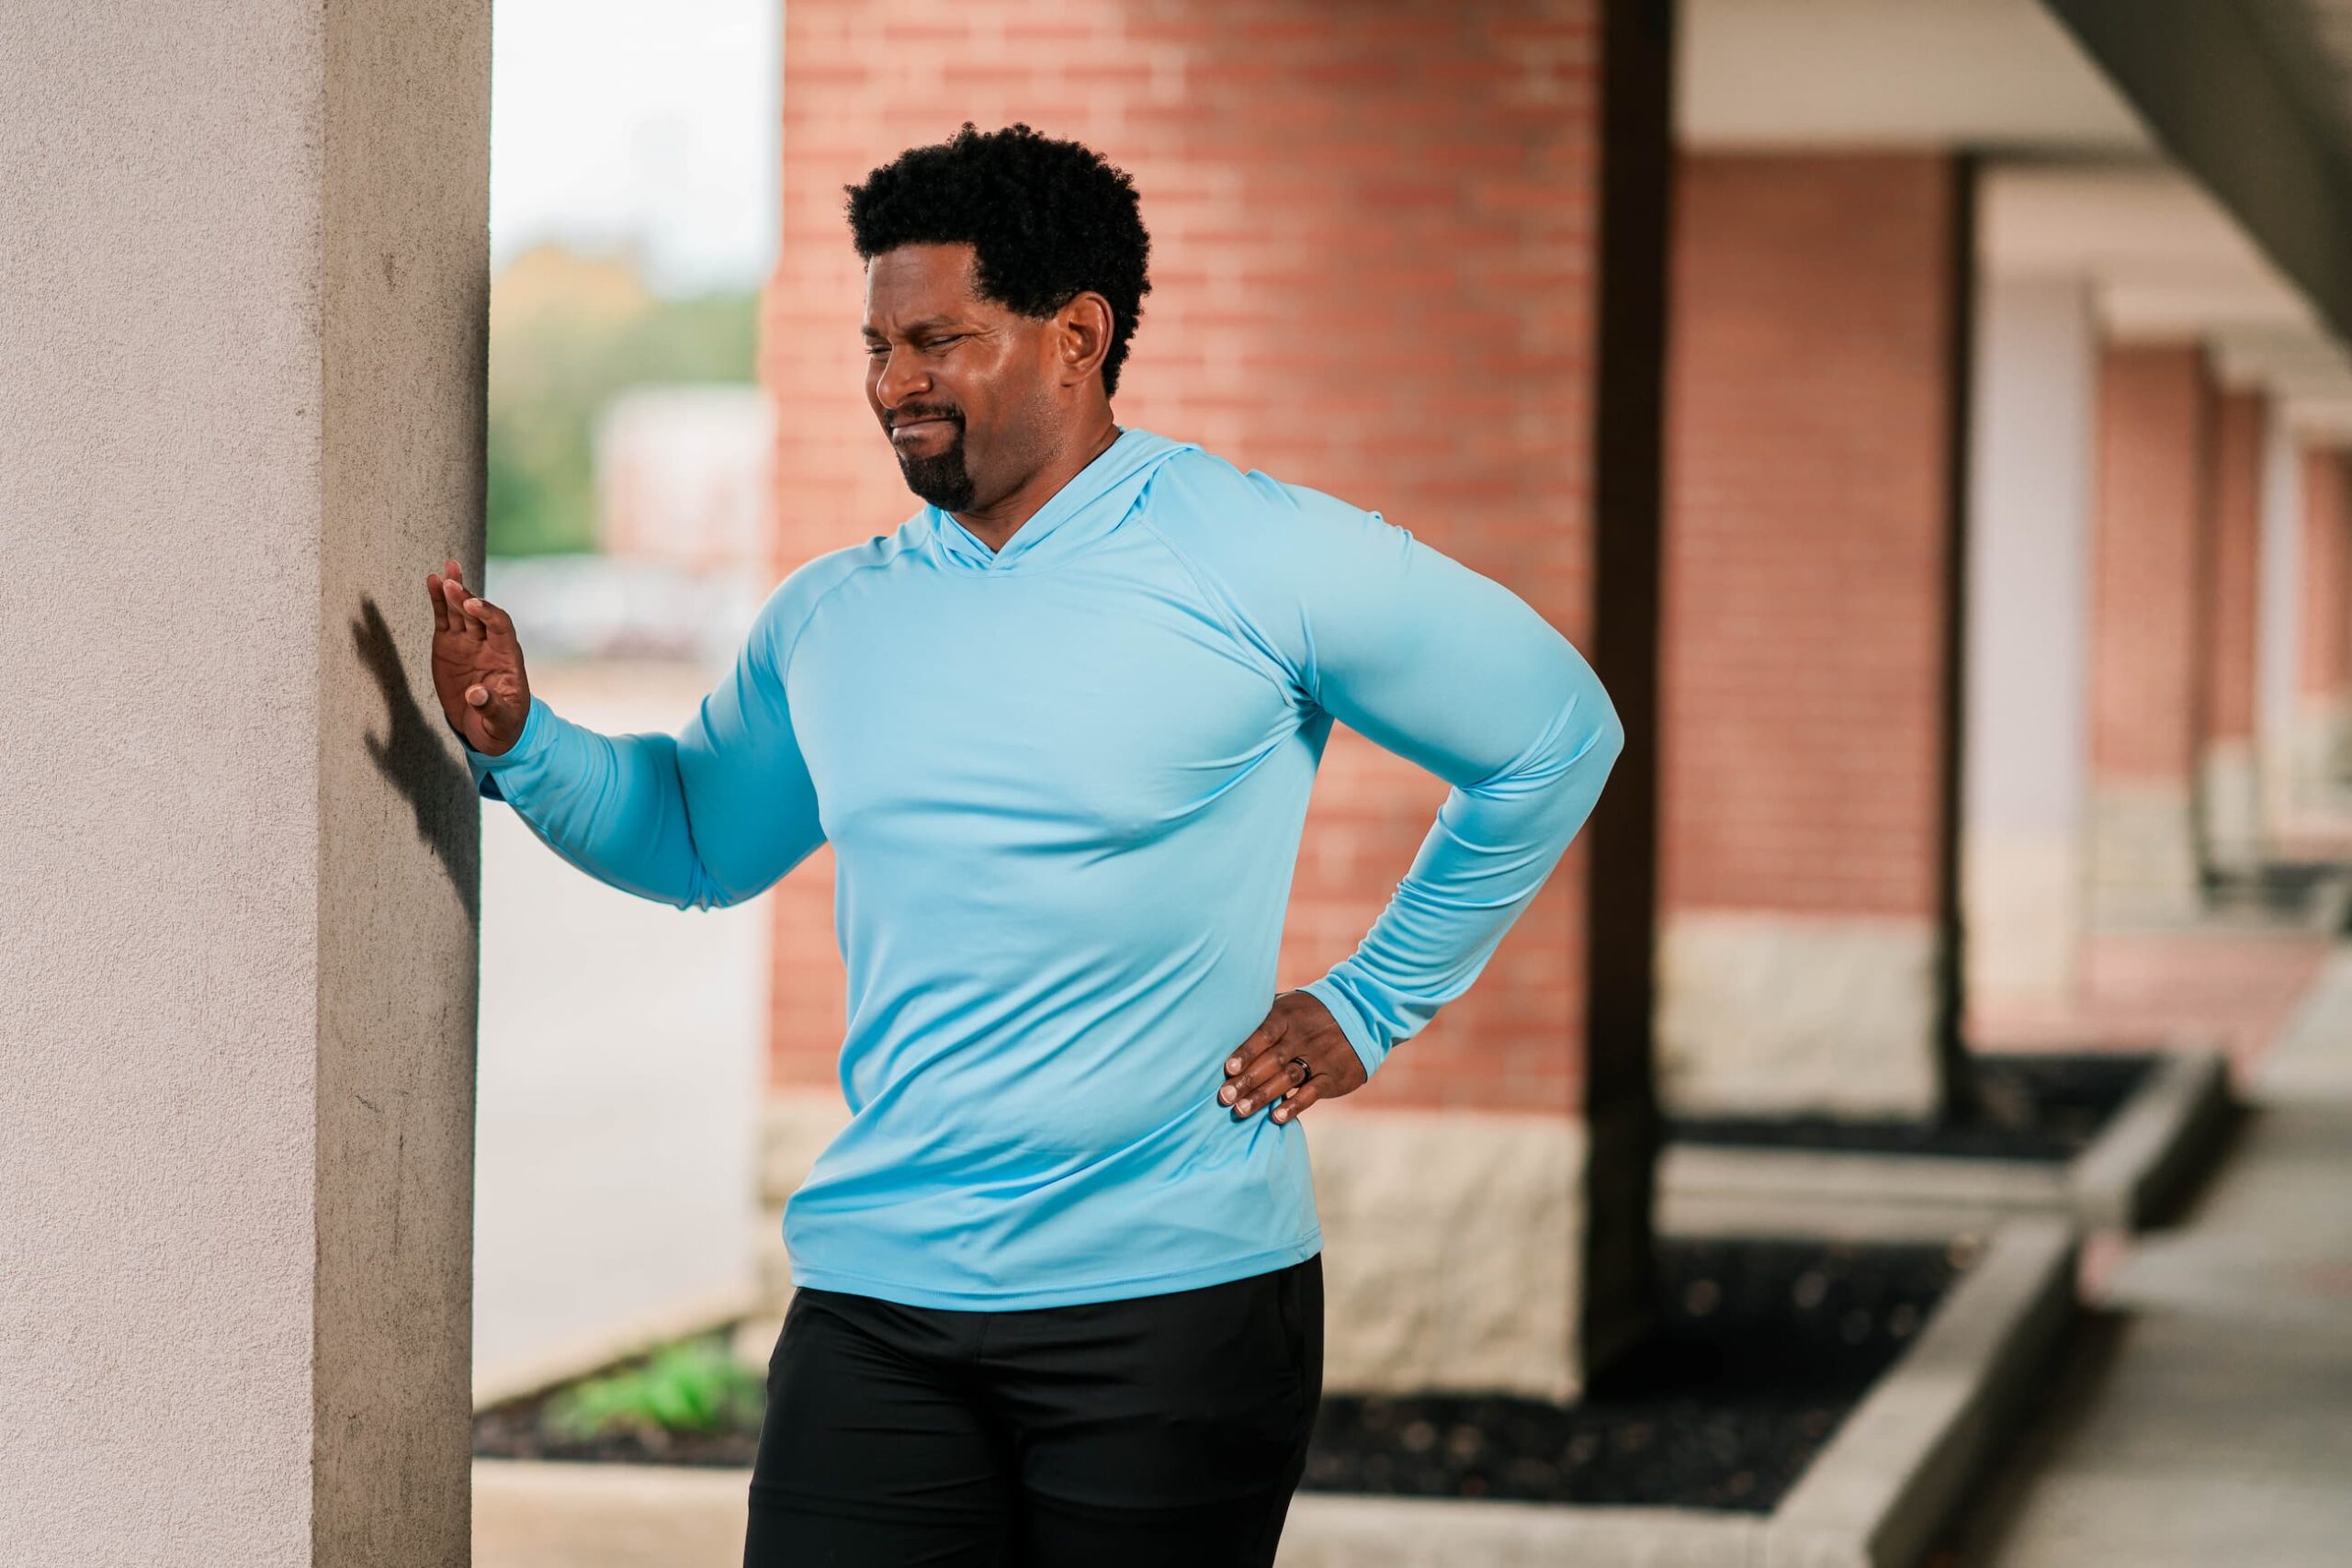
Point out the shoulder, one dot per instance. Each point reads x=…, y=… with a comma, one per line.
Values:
x=795, y=602
x=1249, y=520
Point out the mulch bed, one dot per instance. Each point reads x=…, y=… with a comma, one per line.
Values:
x=518, y=1429
x=1761, y=1350
x=2030, y=1106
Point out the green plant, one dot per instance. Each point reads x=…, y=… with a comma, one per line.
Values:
x=694, y=1386
x=568, y=331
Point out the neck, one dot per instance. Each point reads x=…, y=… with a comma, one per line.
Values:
x=996, y=523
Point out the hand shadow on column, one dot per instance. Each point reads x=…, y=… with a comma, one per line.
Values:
x=438, y=788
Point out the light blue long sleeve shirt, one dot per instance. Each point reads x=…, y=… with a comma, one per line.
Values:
x=1065, y=784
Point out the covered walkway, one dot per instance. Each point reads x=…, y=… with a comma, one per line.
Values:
x=2206, y=1416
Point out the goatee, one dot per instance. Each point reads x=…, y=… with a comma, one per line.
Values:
x=941, y=479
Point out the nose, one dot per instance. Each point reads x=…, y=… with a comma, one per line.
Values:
x=900, y=378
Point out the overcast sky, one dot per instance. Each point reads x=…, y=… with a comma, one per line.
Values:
x=655, y=119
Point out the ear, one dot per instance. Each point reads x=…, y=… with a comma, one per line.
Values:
x=1081, y=337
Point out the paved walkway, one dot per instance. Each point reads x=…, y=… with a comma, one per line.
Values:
x=2207, y=1415
x=615, y=1166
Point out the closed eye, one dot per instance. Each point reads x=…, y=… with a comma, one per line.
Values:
x=878, y=346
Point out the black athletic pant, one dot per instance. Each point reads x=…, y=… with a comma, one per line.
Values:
x=1163, y=1431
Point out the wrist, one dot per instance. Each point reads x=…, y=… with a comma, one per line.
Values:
x=538, y=722
x=1353, y=1023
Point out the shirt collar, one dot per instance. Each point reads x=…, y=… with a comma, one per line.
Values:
x=1100, y=494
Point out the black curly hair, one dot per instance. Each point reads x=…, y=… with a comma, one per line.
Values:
x=1047, y=220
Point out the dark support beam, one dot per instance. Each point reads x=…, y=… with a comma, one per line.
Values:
x=1951, y=1052
x=2202, y=76
x=1620, y=921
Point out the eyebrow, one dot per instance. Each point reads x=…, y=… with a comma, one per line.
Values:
x=913, y=327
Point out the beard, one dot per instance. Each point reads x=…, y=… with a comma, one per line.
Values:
x=941, y=480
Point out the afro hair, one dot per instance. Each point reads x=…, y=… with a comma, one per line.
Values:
x=1046, y=219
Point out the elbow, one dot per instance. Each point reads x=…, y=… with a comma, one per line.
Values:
x=1610, y=743
x=703, y=891
x=1605, y=731
x=706, y=894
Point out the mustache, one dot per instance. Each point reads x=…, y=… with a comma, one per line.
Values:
x=908, y=414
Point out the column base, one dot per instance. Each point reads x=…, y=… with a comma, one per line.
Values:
x=2323, y=753
x=1771, y=1013
x=2143, y=854
x=2023, y=905
x=1452, y=1250
x=2233, y=805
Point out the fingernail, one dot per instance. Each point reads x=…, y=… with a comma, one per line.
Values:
x=1234, y=1065
x=1243, y=1108
x=1225, y=1094
x=1281, y=1112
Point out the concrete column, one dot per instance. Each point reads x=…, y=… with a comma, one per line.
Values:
x=2323, y=658
x=1815, y=401
x=1484, y=1202
x=2151, y=577
x=2027, y=695
x=242, y=349
x=2279, y=621
x=2232, y=789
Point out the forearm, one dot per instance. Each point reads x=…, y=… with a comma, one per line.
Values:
x=613, y=805
x=1491, y=848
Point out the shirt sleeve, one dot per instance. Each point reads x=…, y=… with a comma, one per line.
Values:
x=710, y=816
x=1455, y=671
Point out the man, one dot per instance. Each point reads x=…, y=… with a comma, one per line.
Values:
x=1059, y=1298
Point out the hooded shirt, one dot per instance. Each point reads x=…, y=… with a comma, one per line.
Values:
x=1065, y=783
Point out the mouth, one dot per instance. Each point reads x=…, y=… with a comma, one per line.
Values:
x=916, y=429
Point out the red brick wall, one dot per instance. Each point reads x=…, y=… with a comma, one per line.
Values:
x=2152, y=559
x=2237, y=548
x=1372, y=244
x=1808, y=532
x=2326, y=654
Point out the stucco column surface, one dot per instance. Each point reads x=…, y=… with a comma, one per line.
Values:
x=242, y=303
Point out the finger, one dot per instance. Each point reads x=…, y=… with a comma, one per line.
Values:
x=453, y=594
x=440, y=606
x=468, y=609
x=1251, y=1082
x=1258, y=1040
x=453, y=571
x=1246, y=1053
x=1269, y=1071
x=1299, y=1100
x=497, y=621
x=1265, y=1080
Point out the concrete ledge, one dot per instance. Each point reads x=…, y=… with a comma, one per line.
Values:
x=1877, y=1495
x=533, y=1514
x=2158, y=1143
x=1874, y=1498
x=1333, y=1529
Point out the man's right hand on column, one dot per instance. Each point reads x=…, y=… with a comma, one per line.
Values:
x=477, y=664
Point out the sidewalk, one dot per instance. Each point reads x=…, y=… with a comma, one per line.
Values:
x=2206, y=1416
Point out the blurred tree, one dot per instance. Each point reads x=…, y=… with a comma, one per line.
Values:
x=567, y=330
